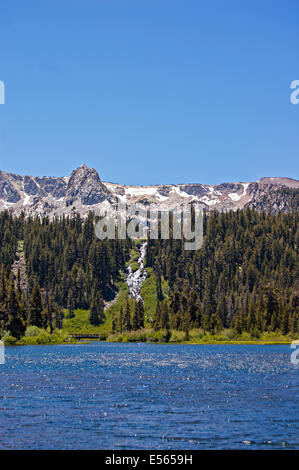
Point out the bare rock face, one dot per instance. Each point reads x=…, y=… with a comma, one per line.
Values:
x=84, y=191
x=8, y=191
x=85, y=185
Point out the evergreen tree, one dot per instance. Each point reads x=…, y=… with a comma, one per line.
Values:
x=35, y=307
x=70, y=305
x=96, y=315
x=121, y=314
x=127, y=318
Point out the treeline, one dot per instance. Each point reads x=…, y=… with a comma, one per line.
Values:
x=244, y=277
x=67, y=267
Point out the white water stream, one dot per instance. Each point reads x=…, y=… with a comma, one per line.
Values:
x=136, y=279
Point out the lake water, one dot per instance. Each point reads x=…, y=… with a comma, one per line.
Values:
x=143, y=396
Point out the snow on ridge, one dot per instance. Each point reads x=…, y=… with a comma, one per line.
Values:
x=6, y=204
x=179, y=192
x=234, y=196
x=26, y=200
x=141, y=191
x=209, y=202
x=245, y=186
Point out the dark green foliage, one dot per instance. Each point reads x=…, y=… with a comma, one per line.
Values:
x=96, y=315
x=35, y=307
x=70, y=305
x=127, y=318
x=138, y=315
x=244, y=277
x=65, y=256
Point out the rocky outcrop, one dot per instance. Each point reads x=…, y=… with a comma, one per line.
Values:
x=85, y=185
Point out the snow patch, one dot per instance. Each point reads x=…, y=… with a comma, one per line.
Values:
x=245, y=186
x=209, y=202
x=26, y=200
x=234, y=196
x=143, y=191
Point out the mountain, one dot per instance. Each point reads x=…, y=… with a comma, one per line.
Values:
x=83, y=191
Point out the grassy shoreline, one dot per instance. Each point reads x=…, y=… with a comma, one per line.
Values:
x=138, y=337
x=261, y=343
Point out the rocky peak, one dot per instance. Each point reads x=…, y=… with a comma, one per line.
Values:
x=86, y=186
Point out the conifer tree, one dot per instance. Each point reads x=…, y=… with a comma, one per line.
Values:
x=121, y=315
x=96, y=315
x=35, y=307
x=70, y=305
x=127, y=317
x=15, y=325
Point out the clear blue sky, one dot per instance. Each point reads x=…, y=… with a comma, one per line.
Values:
x=150, y=91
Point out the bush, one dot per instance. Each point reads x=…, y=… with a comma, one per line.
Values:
x=196, y=334
x=228, y=334
x=9, y=340
x=177, y=336
x=32, y=331
x=118, y=338
x=245, y=336
x=161, y=336
x=59, y=336
x=4, y=334
x=42, y=338
x=136, y=336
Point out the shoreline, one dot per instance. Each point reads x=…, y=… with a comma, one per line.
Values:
x=191, y=343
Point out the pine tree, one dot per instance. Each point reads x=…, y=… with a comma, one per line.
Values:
x=70, y=305
x=58, y=318
x=127, y=319
x=113, y=325
x=121, y=314
x=164, y=317
x=159, y=293
x=96, y=315
x=138, y=316
x=15, y=325
x=35, y=307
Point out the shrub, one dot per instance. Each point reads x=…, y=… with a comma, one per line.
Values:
x=116, y=338
x=245, y=336
x=177, y=336
x=136, y=336
x=161, y=336
x=228, y=334
x=32, y=331
x=10, y=340
x=4, y=334
x=196, y=334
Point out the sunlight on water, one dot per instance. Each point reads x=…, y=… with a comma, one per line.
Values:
x=141, y=396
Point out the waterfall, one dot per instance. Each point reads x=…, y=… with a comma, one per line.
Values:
x=136, y=279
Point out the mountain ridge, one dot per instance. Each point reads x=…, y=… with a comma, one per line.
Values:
x=83, y=191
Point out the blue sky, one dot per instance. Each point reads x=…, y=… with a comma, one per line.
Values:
x=150, y=91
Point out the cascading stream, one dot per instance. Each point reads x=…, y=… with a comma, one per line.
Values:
x=135, y=279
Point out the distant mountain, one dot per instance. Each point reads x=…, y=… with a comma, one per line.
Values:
x=83, y=191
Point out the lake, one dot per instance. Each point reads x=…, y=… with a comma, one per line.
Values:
x=146, y=396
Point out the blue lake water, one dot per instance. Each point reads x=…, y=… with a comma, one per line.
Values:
x=143, y=396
